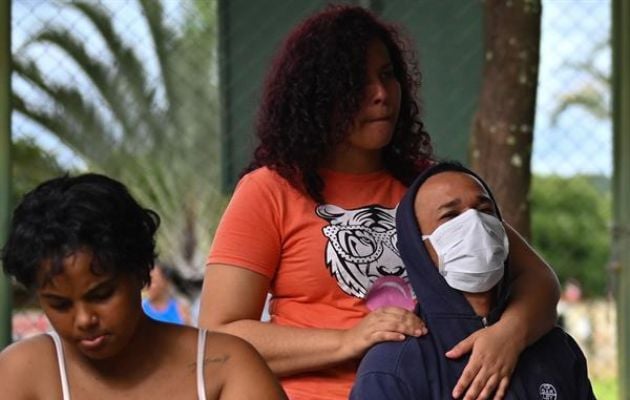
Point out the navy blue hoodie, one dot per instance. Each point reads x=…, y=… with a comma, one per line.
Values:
x=553, y=368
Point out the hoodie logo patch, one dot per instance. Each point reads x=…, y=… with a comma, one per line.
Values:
x=362, y=246
x=547, y=392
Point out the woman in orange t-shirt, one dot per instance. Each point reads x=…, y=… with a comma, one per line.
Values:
x=312, y=220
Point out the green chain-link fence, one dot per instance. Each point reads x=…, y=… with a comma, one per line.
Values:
x=572, y=162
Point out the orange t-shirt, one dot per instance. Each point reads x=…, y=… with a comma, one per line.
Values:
x=321, y=258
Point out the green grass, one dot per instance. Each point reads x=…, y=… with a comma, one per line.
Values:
x=606, y=389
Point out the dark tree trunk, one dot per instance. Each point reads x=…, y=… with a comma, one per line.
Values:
x=502, y=132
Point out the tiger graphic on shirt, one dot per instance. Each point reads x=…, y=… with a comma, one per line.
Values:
x=361, y=247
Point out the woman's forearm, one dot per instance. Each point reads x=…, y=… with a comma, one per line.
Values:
x=232, y=301
x=290, y=350
x=534, y=293
x=531, y=312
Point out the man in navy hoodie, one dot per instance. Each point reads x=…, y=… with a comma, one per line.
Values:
x=454, y=247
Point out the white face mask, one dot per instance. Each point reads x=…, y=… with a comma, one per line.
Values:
x=471, y=249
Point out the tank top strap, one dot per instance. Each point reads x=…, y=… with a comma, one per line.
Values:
x=65, y=389
x=201, y=352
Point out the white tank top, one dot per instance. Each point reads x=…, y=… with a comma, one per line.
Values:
x=201, y=347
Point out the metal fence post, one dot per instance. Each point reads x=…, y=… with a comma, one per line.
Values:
x=621, y=198
x=5, y=161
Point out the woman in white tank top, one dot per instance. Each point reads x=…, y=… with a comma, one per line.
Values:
x=86, y=248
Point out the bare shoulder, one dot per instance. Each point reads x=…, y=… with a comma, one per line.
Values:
x=229, y=345
x=28, y=353
x=230, y=364
x=184, y=339
x=23, y=360
x=244, y=373
x=227, y=354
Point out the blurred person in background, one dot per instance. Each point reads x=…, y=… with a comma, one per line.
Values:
x=160, y=301
x=312, y=220
x=574, y=315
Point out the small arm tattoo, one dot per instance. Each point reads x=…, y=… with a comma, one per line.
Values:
x=216, y=359
x=222, y=359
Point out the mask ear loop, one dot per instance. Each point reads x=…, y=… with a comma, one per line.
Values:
x=440, y=258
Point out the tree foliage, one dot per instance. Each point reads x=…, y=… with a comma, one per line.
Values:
x=159, y=135
x=572, y=216
x=570, y=227
x=30, y=166
x=594, y=94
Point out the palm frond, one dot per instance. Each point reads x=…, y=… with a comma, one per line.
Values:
x=588, y=67
x=162, y=38
x=592, y=96
x=589, y=98
x=167, y=153
x=101, y=75
x=189, y=207
x=67, y=130
x=128, y=67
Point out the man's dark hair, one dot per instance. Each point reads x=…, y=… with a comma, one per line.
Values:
x=67, y=214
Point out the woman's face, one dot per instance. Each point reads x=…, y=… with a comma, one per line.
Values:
x=374, y=124
x=95, y=314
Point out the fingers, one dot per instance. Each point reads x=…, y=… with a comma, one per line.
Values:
x=463, y=347
x=470, y=373
x=479, y=383
x=409, y=323
x=395, y=311
x=500, y=394
x=487, y=374
x=384, y=324
x=481, y=388
x=487, y=390
x=406, y=324
x=384, y=336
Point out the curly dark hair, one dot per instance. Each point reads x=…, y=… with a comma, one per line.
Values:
x=89, y=211
x=315, y=88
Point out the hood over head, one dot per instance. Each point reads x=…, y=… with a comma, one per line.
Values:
x=434, y=295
